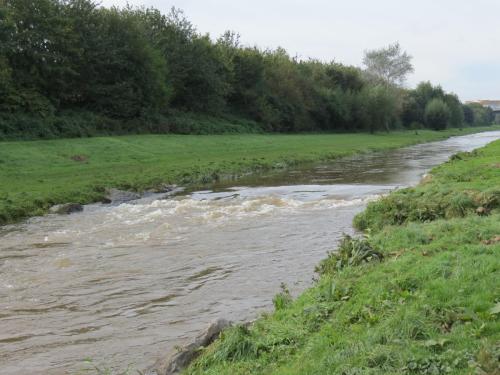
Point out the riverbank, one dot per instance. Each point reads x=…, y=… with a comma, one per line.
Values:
x=38, y=174
x=419, y=295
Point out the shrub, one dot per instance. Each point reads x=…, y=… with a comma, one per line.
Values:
x=437, y=114
x=283, y=299
x=236, y=343
x=351, y=252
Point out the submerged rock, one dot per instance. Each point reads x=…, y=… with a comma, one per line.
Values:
x=426, y=178
x=66, y=209
x=165, y=188
x=117, y=196
x=176, y=362
x=174, y=189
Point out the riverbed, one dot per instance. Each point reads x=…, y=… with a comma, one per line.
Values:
x=123, y=284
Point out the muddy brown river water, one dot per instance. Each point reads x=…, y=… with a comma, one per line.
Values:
x=124, y=284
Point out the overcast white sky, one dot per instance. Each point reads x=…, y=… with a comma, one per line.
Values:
x=455, y=43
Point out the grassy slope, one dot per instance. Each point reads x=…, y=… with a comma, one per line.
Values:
x=430, y=307
x=37, y=174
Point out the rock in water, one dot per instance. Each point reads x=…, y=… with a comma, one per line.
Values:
x=117, y=196
x=176, y=362
x=165, y=188
x=66, y=209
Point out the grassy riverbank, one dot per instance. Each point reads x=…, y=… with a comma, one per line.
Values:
x=420, y=295
x=37, y=174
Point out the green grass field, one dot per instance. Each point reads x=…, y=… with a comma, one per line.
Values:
x=419, y=295
x=37, y=174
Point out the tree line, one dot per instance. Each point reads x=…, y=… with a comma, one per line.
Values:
x=73, y=68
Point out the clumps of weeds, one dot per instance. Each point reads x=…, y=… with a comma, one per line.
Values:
x=492, y=241
x=428, y=366
x=283, y=299
x=80, y=158
x=315, y=315
x=352, y=251
x=463, y=155
x=236, y=343
x=366, y=315
x=436, y=345
x=463, y=203
x=329, y=295
x=332, y=292
x=487, y=200
x=447, y=362
x=487, y=360
x=394, y=209
x=460, y=205
x=381, y=360
x=426, y=212
x=405, y=288
x=411, y=205
x=447, y=318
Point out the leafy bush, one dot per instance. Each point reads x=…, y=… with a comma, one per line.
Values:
x=437, y=114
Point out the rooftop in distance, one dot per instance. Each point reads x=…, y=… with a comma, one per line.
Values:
x=493, y=104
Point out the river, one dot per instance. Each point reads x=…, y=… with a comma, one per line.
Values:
x=125, y=284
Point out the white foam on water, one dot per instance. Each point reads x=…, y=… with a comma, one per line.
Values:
x=212, y=211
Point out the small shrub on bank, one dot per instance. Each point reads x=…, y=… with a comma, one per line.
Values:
x=283, y=298
x=236, y=344
x=350, y=252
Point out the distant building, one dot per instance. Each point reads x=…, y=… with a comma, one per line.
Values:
x=493, y=104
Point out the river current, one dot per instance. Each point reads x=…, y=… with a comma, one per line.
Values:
x=122, y=285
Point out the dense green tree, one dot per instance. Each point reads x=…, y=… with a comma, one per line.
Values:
x=36, y=46
x=412, y=109
x=468, y=115
x=8, y=97
x=479, y=114
x=345, y=77
x=198, y=74
x=74, y=68
x=72, y=53
x=437, y=114
x=247, y=83
x=416, y=102
x=376, y=108
x=126, y=75
x=456, y=110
